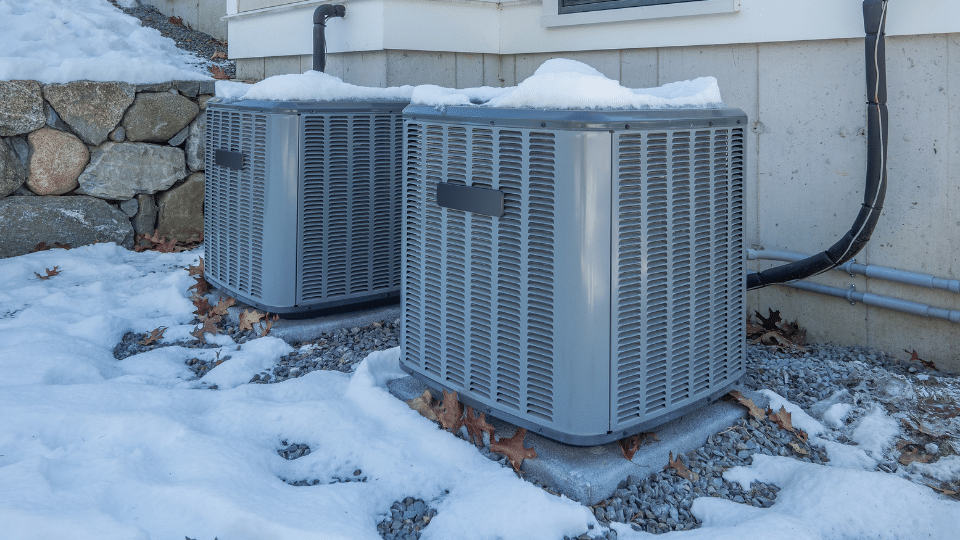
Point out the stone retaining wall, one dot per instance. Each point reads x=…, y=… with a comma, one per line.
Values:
x=86, y=162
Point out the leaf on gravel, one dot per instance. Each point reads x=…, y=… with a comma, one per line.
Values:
x=914, y=357
x=208, y=326
x=476, y=425
x=201, y=286
x=798, y=449
x=513, y=449
x=450, y=412
x=221, y=307
x=910, y=452
x=249, y=318
x=219, y=54
x=755, y=411
x=943, y=410
x=50, y=273
x=802, y=435
x=781, y=418
x=196, y=270
x=423, y=404
x=175, y=21
x=268, y=324
x=153, y=335
x=218, y=73
x=681, y=469
x=42, y=246
x=202, y=305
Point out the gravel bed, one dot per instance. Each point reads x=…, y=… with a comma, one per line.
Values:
x=293, y=451
x=199, y=43
x=340, y=350
x=407, y=520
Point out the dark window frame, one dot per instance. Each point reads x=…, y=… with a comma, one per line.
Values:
x=581, y=6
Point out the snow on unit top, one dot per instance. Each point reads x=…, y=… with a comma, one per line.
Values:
x=568, y=84
x=310, y=86
x=53, y=41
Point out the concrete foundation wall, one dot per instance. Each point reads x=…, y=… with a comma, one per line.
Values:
x=807, y=156
x=203, y=15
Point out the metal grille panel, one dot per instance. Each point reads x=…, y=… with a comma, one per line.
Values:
x=351, y=192
x=233, y=201
x=680, y=268
x=493, y=342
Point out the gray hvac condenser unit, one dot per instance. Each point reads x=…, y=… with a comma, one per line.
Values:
x=302, y=203
x=578, y=273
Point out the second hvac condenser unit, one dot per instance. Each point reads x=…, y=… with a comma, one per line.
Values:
x=578, y=273
x=302, y=203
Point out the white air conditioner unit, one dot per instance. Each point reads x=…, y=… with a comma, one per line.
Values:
x=577, y=273
x=302, y=203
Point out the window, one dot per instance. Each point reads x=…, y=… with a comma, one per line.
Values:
x=578, y=6
x=577, y=12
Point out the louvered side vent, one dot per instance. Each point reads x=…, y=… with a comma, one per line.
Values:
x=233, y=201
x=350, y=205
x=478, y=305
x=679, y=291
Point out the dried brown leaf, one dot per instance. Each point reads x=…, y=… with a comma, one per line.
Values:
x=423, y=404
x=201, y=285
x=222, y=305
x=914, y=357
x=910, y=452
x=268, y=324
x=219, y=55
x=513, y=449
x=681, y=469
x=629, y=446
x=154, y=335
x=202, y=305
x=50, y=273
x=450, y=412
x=196, y=270
x=176, y=21
x=476, y=426
x=208, y=326
x=944, y=491
x=802, y=435
x=781, y=418
x=798, y=449
x=770, y=322
x=755, y=411
x=249, y=318
x=218, y=73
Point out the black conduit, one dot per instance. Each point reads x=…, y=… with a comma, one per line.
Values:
x=874, y=20
x=320, y=16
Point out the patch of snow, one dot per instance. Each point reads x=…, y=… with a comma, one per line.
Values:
x=875, y=431
x=53, y=41
x=567, y=84
x=310, y=86
x=836, y=414
x=945, y=469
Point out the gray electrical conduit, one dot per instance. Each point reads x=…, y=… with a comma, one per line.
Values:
x=871, y=271
x=870, y=299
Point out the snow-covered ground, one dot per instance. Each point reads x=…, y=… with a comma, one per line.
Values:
x=56, y=41
x=95, y=448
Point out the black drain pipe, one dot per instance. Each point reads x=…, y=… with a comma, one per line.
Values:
x=320, y=16
x=874, y=21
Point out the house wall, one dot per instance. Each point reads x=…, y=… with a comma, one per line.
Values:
x=806, y=166
x=203, y=15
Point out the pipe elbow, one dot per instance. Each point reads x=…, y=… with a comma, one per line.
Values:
x=324, y=12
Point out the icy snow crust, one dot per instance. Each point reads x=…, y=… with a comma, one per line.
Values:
x=57, y=41
x=92, y=448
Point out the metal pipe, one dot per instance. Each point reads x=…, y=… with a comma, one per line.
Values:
x=320, y=16
x=876, y=300
x=870, y=271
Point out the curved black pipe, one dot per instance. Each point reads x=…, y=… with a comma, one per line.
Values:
x=874, y=23
x=320, y=16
